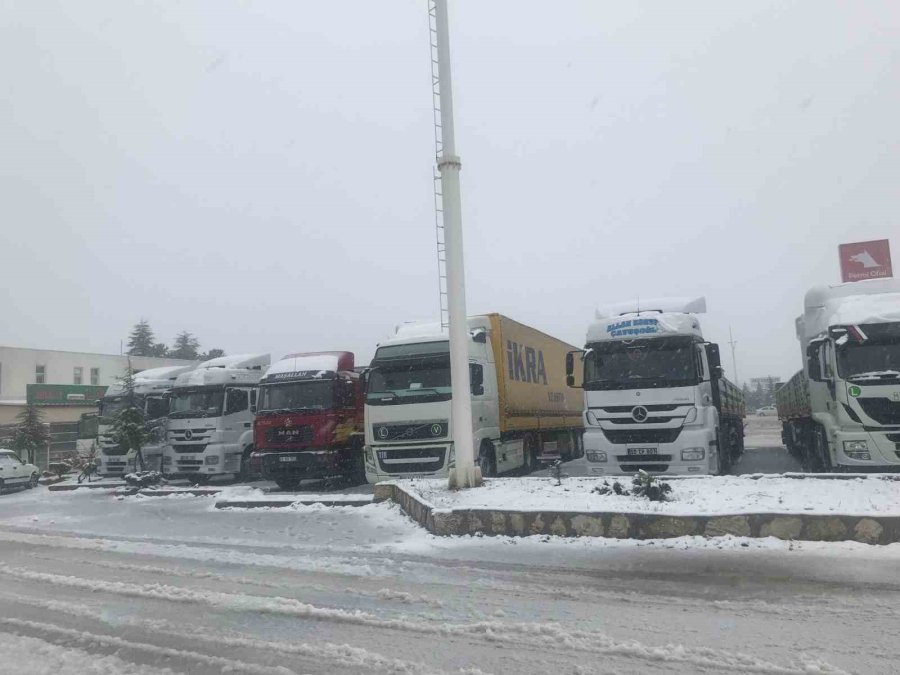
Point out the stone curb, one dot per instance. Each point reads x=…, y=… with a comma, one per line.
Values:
x=789, y=526
x=273, y=504
x=84, y=486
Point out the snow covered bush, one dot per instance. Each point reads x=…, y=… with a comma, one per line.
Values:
x=642, y=485
x=142, y=479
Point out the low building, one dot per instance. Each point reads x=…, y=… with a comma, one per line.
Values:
x=64, y=384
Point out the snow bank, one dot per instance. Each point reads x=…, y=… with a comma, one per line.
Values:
x=708, y=495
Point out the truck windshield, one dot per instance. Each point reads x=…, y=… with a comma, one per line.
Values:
x=639, y=364
x=110, y=406
x=156, y=407
x=296, y=396
x=419, y=380
x=196, y=403
x=869, y=361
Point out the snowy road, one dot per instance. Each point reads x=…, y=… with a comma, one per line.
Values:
x=92, y=584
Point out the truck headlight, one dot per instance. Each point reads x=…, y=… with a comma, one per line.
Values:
x=691, y=416
x=211, y=459
x=591, y=418
x=595, y=456
x=693, y=454
x=451, y=460
x=857, y=450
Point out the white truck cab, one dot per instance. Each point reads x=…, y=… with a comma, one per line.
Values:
x=655, y=399
x=151, y=391
x=211, y=412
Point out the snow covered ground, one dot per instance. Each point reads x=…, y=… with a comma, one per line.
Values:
x=861, y=496
x=762, y=432
x=93, y=583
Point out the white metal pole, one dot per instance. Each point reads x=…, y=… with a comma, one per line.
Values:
x=733, y=358
x=449, y=166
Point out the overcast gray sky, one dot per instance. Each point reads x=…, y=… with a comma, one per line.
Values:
x=259, y=173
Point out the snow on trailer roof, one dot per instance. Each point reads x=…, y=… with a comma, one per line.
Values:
x=412, y=332
x=164, y=373
x=311, y=364
x=853, y=303
x=649, y=305
x=645, y=324
x=238, y=369
x=246, y=361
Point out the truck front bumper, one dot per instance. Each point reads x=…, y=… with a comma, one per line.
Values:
x=308, y=463
x=216, y=459
x=867, y=450
x=694, y=452
x=384, y=462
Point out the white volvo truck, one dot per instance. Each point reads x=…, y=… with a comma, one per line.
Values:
x=522, y=408
x=842, y=410
x=211, y=414
x=655, y=397
x=151, y=391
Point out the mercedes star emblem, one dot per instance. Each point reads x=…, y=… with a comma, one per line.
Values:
x=639, y=413
x=188, y=434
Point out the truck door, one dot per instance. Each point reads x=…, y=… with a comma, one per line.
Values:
x=237, y=412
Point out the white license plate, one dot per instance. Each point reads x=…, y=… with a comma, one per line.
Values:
x=288, y=458
x=640, y=452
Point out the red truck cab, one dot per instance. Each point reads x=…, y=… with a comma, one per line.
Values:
x=309, y=419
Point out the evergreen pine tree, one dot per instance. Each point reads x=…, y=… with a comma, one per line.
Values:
x=31, y=433
x=128, y=428
x=212, y=354
x=186, y=347
x=140, y=342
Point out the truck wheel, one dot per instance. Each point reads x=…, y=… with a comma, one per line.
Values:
x=245, y=474
x=287, y=483
x=724, y=454
x=33, y=483
x=487, y=460
x=357, y=470
x=822, y=454
x=529, y=461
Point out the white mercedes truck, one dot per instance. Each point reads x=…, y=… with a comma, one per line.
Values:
x=841, y=412
x=522, y=408
x=655, y=396
x=211, y=412
x=151, y=392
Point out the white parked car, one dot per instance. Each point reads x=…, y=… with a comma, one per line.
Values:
x=767, y=410
x=16, y=472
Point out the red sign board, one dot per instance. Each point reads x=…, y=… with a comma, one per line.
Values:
x=865, y=260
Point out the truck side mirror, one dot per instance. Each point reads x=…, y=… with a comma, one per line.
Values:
x=813, y=364
x=363, y=379
x=570, y=365
x=714, y=358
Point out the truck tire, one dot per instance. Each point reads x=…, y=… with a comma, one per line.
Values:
x=724, y=454
x=487, y=460
x=357, y=471
x=33, y=483
x=822, y=454
x=287, y=483
x=245, y=474
x=529, y=461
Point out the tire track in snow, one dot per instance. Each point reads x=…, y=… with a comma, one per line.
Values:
x=342, y=654
x=525, y=634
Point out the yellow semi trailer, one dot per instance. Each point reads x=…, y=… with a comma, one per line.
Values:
x=522, y=408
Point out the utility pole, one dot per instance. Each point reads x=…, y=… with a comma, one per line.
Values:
x=733, y=359
x=448, y=164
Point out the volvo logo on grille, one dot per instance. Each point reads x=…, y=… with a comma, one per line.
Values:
x=188, y=434
x=383, y=432
x=639, y=413
x=436, y=429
